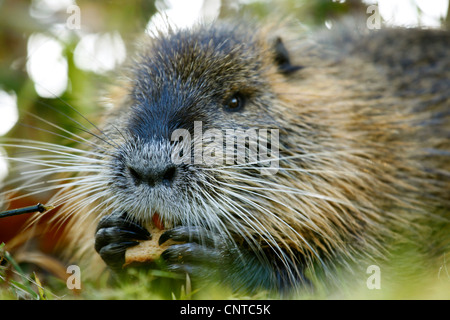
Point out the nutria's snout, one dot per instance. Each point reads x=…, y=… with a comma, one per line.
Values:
x=154, y=175
x=146, y=165
x=154, y=170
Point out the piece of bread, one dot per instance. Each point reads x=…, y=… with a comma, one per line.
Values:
x=149, y=250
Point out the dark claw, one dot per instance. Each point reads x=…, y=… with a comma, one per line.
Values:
x=201, y=255
x=165, y=237
x=109, y=235
x=122, y=221
x=115, y=234
x=199, y=261
x=114, y=253
x=190, y=252
x=180, y=268
x=189, y=234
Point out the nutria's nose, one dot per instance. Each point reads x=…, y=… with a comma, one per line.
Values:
x=153, y=176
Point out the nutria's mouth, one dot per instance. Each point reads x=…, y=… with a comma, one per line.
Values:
x=157, y=221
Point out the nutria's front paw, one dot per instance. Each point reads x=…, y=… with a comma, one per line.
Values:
x=115, y=233
x=203, y=254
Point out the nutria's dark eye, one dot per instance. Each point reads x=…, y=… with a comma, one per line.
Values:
x=235, y=103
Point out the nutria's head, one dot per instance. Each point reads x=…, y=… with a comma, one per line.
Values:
x=197, y=82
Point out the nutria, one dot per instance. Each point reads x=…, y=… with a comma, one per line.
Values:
x=362, y=134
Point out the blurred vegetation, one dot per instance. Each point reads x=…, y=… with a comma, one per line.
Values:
x=85, y=88
x=16, y=26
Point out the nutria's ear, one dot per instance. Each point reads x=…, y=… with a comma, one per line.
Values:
x=282, y=58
